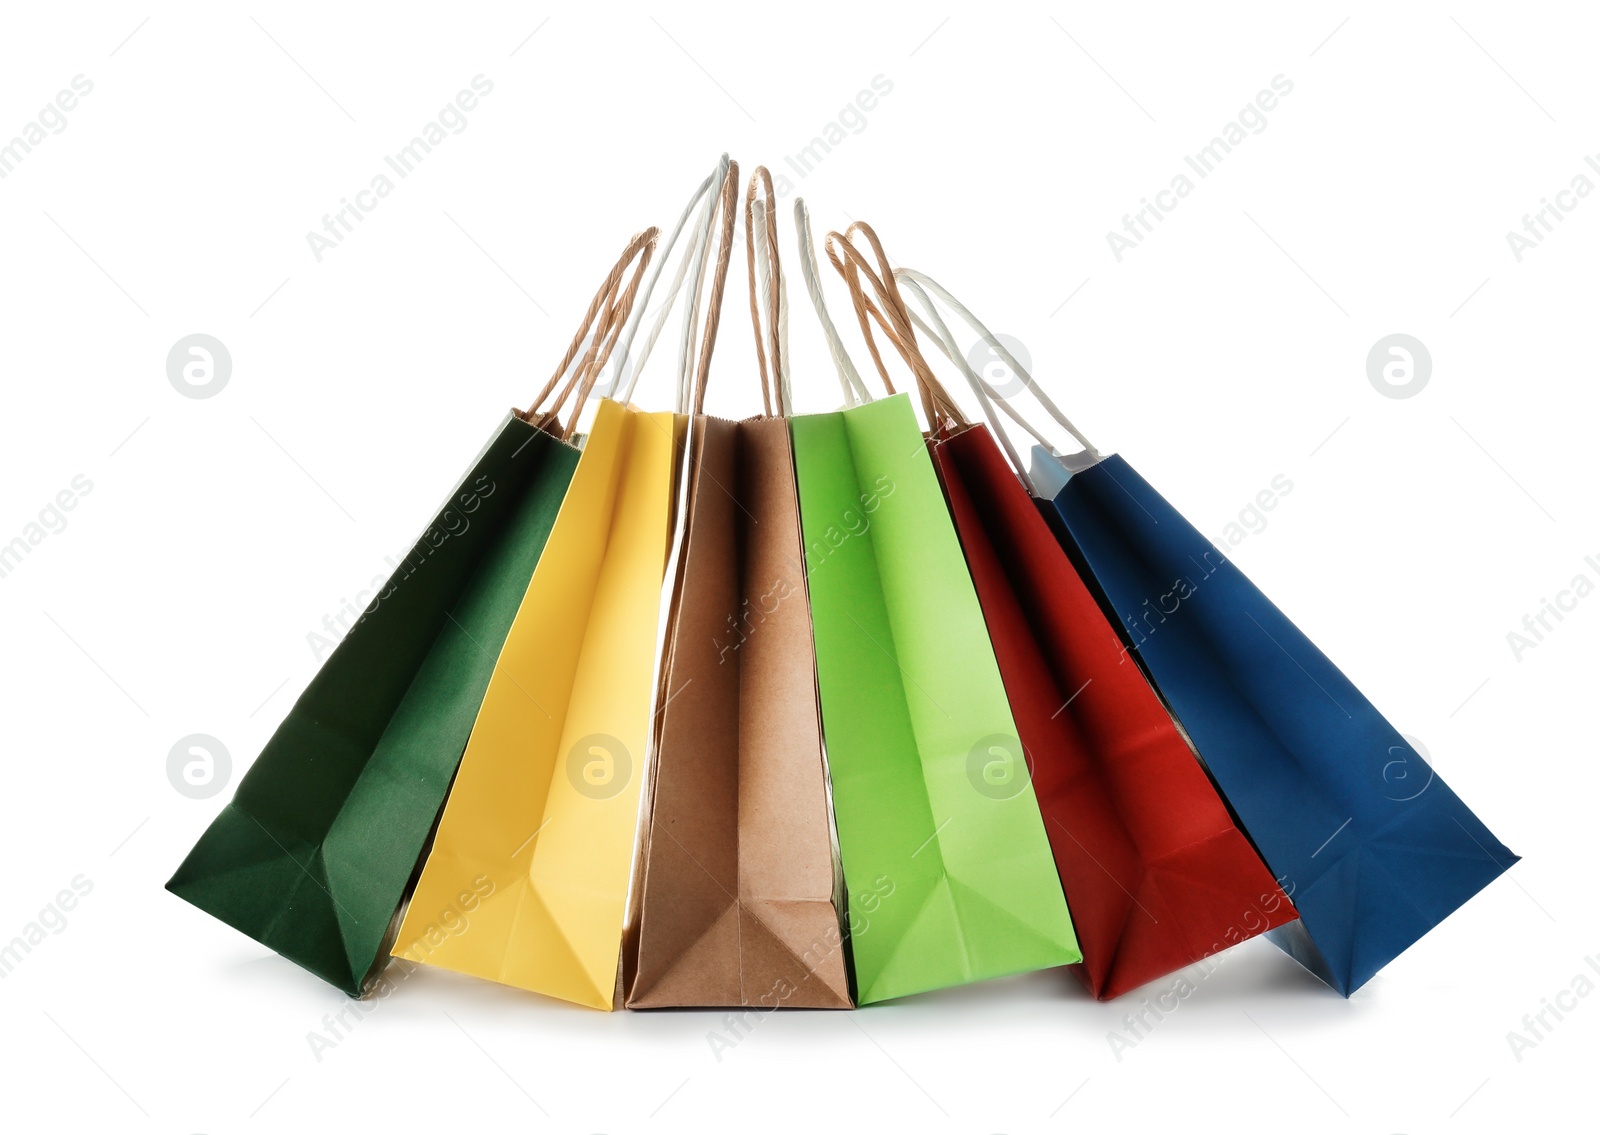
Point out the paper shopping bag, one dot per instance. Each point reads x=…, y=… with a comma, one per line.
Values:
x=1156, y=873
x=736, y=904
x=1157, y=876
x=529, y=876
x=313, y=855
x=527, y=879
x=947, y=883
x=1372, y=846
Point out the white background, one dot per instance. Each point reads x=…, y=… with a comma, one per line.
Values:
x=1228, y=348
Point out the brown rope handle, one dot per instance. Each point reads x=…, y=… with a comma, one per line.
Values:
x=617, y=310
x=584, y=377
x=726, y=202
x=763, y=180
x=896, y=324
x=612, y=308
x=617, y=318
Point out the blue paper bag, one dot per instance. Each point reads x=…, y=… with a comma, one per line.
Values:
x=1371, y=846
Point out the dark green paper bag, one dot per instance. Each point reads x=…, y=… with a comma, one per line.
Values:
x=319, y=846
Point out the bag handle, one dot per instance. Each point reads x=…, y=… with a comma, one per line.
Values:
x=761, y=249
x=855, y=391
x=694, y=257
x=893, y=318
x=940, y=333
x=606, y=329
x=986, y=394
x=727, y=200
x=621, y=356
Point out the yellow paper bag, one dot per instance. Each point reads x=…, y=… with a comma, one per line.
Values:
x=527, y=882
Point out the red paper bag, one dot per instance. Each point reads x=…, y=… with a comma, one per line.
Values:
x=1156, y=873
x=1157, y=876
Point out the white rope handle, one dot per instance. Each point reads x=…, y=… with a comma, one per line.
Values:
x=948, y=348
x=940, y=334
x=694, y=254
x=855, y=391
x=980, y=386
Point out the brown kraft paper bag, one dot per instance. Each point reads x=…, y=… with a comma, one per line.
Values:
x=738, y=896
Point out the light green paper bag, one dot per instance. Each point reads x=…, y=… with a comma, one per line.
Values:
x=947, y=868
